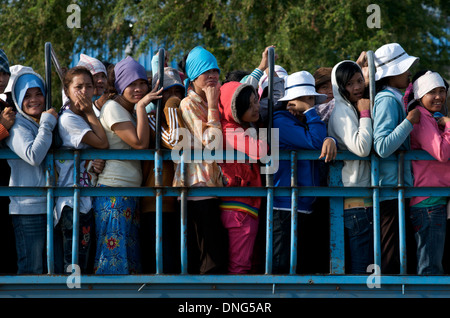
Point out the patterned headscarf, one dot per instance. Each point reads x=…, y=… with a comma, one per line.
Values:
x=92, y=64
x=4, y=63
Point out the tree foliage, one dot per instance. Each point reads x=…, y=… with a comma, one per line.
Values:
x=307, y=34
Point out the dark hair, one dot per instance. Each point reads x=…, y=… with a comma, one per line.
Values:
x=243, y=100
x=75, y=71
x=322, y=76
x=235, y=76
x=111, y=90
x=344, y=73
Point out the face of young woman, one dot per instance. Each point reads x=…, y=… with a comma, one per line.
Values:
x=355, y=87
x=80, y=84
x=208, y=78
x=400, y=81
x=99, y=83
x=252, y=113
x=434, y=99
x=326, y=89
x=34, y=102
x=135, y=91
x=4, y=78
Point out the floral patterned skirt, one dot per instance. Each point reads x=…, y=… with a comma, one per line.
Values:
x=116, y=227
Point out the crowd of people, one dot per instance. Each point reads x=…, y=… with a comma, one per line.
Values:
x=107, y=106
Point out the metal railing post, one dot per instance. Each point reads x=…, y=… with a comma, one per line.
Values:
x=269, y=176
x=76, y=206
x=294, y=213
x=158, y=170
x=50, y=182
x=401, y=213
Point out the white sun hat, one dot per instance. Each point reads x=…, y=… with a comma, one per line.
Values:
x=391, y=59
x=301, y=84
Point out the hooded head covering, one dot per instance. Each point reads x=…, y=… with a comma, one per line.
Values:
x=199, y=61
x=338, y=97
x=227, y=101
x=126, y=72
x=23, y=83
x=92, y=64
x=4, y=63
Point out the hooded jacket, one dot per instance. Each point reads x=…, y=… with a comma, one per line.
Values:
x=296, y=135
x=353, y=134
x=391, y=132
x=427, y=135
x=30, y=141
x=236, y=136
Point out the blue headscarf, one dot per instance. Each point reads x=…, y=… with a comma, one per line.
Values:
x=198, y=62
x=23, y=83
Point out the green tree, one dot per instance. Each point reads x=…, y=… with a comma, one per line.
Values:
x=306, y=34
x=27, y=25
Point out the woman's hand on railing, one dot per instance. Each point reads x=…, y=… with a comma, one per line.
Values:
x=52, y=111
x=329, y=150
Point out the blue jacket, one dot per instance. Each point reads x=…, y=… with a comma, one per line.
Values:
x=294, y=135
x=391, y=132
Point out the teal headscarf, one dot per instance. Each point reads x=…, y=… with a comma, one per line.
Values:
x=198, y=62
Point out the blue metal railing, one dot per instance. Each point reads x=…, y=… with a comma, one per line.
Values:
x=256, y=285
x=335, y=192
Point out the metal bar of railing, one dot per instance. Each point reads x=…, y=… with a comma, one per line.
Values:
x=294, y=213
x=374, y=171
x=50, y=180
x=401, y=213
x=376, y=212
x=337, y=245
x=183, y=216
x=158, y=170
x=48, y=75
x=269, y=176
x=76, y=206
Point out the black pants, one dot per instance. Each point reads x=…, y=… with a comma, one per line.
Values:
x=171, y=242
x=389, y=226
x=207, y=239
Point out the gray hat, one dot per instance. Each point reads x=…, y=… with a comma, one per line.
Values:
x=171, y=78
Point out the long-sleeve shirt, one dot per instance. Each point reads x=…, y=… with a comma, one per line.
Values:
x=171, y=122
x=199, y=117
x=391, y=132
x=295, y=135
x=31, y=143
x=428, y=136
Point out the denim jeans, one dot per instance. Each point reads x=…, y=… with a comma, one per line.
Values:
x=31, y=233
x=281, y=241
x=63, y=240
x=358, y=223
x=429, y=230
